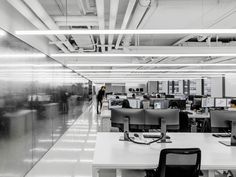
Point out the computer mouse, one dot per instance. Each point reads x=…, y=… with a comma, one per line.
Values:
x=136, y=135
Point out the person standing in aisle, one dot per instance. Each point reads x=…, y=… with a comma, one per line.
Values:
x=100, y=96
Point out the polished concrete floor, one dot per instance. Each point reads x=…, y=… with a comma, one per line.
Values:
x=72, y=154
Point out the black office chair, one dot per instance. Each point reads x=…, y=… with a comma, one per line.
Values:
x=179, y=163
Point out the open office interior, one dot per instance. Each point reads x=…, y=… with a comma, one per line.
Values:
x=105, y=88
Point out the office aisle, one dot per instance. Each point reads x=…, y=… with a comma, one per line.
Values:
x=72, y=155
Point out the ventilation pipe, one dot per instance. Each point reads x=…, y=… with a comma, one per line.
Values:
x=38, y=9
x=139, y=12
x=28, y=14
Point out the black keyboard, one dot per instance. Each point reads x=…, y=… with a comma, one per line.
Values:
x=221, y=135
x=154, y=136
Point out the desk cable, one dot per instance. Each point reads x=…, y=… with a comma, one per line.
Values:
x=143, y=143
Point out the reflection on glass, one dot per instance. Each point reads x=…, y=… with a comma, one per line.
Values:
x=39, y=100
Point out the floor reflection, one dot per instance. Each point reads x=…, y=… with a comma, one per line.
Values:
x=72, y=155
x=25, y=137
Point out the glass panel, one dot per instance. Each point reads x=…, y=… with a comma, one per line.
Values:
x=38, y=104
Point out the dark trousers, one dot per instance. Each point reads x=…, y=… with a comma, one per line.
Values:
x=99, y=102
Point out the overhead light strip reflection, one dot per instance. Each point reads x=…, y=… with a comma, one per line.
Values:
x=129, y=73
x=82, y=71
x=137, y=31
x=30, y=65
x=153, y=65
x=143, y=55
x=34, y=55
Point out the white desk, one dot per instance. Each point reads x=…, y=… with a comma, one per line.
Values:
x=110, y=153
x=199, y=116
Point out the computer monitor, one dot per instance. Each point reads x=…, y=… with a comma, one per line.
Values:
x=208, y=102
x=197, y=103
x=222, y=118
x=191, y=97
x=115, y=103
x=109, y=96
x=160, y=104
x=157, y=105
x=220, y=102
x=136, y=116
x=181, y=104
x=152, y=100
x=181, y=97
x=134, y=103
x=129, y=95
x=169, y=96
x=153, y=116
x=228, y=102
x=122, y=96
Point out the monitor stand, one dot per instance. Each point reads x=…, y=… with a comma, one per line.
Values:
x=163, y=132
x=232, y=141
x=126, y=130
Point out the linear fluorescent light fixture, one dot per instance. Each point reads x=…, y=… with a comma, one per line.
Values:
x=62, y=55
x=128, y=73
x=153, y=65
x=36, y=70
x=33, y=55
x=29, y=65
x=143, y=79
x=147, y=31
x=153, y=70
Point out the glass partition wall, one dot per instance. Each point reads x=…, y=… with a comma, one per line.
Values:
x=39, y=100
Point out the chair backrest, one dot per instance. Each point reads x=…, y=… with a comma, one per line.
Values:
x=179, y=163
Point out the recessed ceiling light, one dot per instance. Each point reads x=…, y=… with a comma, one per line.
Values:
x=146, y=31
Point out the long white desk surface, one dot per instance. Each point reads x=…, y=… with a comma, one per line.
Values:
x=110, y=153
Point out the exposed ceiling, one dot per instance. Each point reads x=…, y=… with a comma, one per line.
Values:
x=135, y=14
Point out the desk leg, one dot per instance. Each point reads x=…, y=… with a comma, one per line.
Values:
x=194, y=125
x=95, y=172
x=211, y=173
x=118, y=173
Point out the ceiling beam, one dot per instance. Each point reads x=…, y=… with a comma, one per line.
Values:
x=38, y=9
x=125, y=20
x=28, y=14
x=73, y=18
x=114, y=5
x=101, y=21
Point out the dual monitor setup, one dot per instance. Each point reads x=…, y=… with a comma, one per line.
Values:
x=216, y=102
x=164, y=118
x=156, y=103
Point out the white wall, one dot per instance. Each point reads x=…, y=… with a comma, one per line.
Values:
x=216, y=87
x=230, y=86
